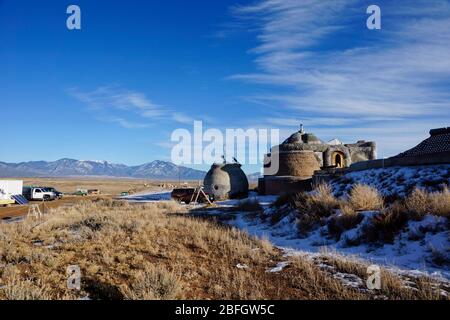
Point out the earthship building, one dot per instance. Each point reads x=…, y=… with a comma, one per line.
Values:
x=290, y=166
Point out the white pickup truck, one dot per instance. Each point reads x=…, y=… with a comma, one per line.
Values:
x=38, y=193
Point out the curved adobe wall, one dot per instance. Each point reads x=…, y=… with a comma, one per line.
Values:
x=297, y=163
x=226, y=181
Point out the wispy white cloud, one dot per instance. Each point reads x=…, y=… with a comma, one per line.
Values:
x=128, y=108
x=126, y=124
x=400, y=74
x=182, y=118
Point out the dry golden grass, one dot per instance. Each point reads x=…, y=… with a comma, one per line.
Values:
x=107, y=186
x=151, y=251
x=365, y=198
x=349, y=218
x=392, y=286
x=347, y=210
x=321, y=202
x=421, y=202
x=25, y=290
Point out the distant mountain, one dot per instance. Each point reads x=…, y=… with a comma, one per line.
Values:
x=158, y=170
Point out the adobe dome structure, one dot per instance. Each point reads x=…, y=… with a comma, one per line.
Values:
x=300, y=155
x=226, y=181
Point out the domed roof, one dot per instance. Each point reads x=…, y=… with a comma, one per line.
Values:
x=294, y=138
x=311, y=138
x=226, y=180
x=301, y=137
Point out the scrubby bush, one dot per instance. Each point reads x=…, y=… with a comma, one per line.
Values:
x=321, y=202
x=365, y=198
x=154, y=283
x=346, y=220
x=421, y=203
x=387, y=225
x=25, y=290
x=313, y=208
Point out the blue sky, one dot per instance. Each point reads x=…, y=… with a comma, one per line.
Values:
x=137, y=70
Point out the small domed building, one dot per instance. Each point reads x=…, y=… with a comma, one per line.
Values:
x=290, y=166
x=226, y=181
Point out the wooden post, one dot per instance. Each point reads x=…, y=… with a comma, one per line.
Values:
x=198, y=194
x=206, y=197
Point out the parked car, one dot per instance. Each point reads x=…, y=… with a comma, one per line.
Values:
x=81, y=192
x=58, y=194
x=93, y=191
x=38, y=193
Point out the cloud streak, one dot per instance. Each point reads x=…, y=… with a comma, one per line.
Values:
x=400, y=74
x=128, y=108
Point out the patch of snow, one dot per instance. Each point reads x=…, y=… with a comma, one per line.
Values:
x=348, y=279
x=279, y=267
x=411, y=256
x=395, y=180
x=148, y=197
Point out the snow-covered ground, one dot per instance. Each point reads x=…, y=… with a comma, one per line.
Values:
x=148, y=197
x=411, y=252
x=403, y=256
x=396, y=180
x=411, y=256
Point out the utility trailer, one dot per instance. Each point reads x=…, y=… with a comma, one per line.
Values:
x=8, y=190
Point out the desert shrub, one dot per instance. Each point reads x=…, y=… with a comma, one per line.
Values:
x=364, y=197
x=348, y=219
x=306, y=222
x=110, y=203
x=313, y=208
x=421, y=203
x=441, y=203
x=417, y=203
x=321, y=202
x=249, y=205
x=154, y=283
x=17, y=289
x=171, y=206
x=387, y=225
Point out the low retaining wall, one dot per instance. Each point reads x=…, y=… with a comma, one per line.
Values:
x=284, y=185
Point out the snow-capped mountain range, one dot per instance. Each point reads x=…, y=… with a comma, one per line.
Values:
x=69, y=167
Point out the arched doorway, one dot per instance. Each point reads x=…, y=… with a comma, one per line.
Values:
x=338, y=159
